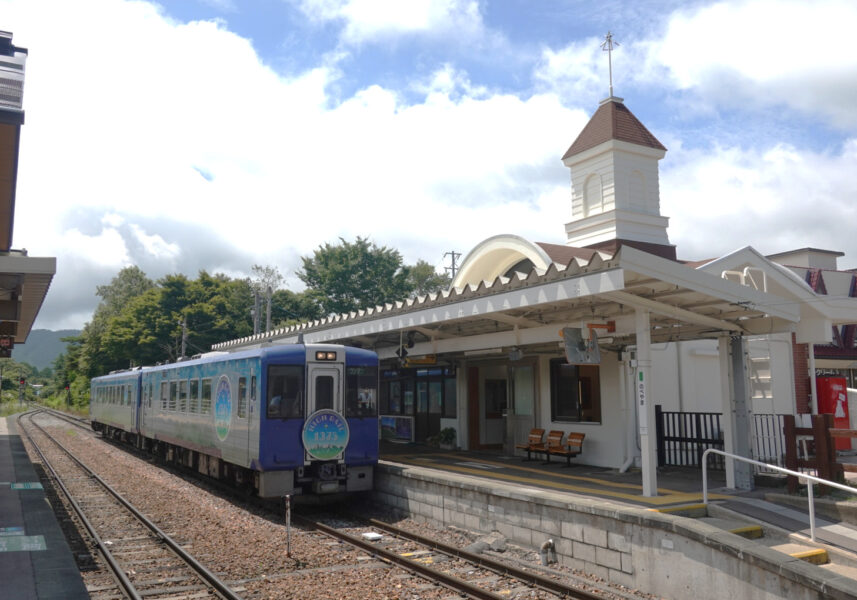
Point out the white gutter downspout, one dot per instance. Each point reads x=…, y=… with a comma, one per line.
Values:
x=630, y=413
x=813, y=391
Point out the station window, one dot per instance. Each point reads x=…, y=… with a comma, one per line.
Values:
x=242, y=397
x=285, y=398
x=450, y=404
x=361, y=391
x=205, y=399
x=495, y=398
x=575, y=392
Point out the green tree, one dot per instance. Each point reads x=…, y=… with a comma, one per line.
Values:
x=423, y=279
x=129, y=283
x=209, y=309
x=288, y=308
x=351, y=276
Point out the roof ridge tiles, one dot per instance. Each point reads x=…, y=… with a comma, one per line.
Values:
x=612, y=121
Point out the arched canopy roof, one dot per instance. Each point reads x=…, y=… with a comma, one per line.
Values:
x=494, y=256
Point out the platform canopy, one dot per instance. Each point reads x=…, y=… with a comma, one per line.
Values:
x=528, y=310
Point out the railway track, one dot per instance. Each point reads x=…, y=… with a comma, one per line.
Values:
x=144, y=561
x=466, y=573
x=430, y=566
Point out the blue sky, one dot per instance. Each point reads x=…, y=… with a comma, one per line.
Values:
x=218, y=134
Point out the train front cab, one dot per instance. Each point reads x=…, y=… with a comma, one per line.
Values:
x=318, y=422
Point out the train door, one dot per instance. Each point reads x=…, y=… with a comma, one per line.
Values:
x=324, y=387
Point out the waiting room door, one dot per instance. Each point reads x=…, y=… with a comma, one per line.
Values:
x=520, y=416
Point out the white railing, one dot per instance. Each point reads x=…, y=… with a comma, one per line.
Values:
x=809, y=493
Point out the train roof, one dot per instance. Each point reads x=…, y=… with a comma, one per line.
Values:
x=276, y=351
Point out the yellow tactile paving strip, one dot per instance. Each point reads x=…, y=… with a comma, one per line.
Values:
x=628, y=492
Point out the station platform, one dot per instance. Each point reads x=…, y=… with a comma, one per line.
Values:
x=35, y=560
x=678, y=487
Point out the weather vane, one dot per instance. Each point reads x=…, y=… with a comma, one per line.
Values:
x=607, y=46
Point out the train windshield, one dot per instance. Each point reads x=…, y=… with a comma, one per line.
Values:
x=361, y=391
x=285, y=398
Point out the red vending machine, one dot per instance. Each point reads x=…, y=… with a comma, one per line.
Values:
x=833, y=399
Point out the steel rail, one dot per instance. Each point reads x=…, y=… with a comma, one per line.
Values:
x=450, y=581
x=118, y=571
x=224, y=590
x=490, y=563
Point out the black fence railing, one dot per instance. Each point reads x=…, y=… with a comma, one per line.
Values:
x=769, y=442
x=684, y=436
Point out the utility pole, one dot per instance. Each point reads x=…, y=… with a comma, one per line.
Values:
x=183, y=323
x=455, y=256
x=269, y=293
x=255, y=311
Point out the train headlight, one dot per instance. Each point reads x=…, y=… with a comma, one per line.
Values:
x=325, y=355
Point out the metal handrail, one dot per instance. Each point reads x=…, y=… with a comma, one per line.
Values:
x=809, y=493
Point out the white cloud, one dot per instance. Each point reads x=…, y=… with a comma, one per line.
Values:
x=578, y=72
x=116, y=140
x=774, y=199
x=762, y=53
x=368, y=20
x=155, y=245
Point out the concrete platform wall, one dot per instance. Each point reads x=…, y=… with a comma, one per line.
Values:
x=670, y=556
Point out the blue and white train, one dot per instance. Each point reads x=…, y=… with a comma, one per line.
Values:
x=293, y=419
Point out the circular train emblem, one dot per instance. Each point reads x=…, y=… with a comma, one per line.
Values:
x=222, y=407
x=325, y=434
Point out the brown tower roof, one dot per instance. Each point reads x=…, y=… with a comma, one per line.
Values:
x=613, y=121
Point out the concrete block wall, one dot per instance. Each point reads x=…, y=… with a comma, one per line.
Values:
x=673, y=557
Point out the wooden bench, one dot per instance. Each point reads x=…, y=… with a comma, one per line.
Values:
x=573, y=447
x=553, y=444
x=534, y=442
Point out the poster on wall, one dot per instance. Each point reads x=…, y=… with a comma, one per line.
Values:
x=397, y=429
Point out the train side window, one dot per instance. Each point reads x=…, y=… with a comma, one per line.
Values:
x=174, y=395
x=242, y=397
x=183, y=395
x=285, y=398
x=165, y=394
x=361, y=391
x=194, y=395
x=128, y=395
x=252, y=393
x=206, y=397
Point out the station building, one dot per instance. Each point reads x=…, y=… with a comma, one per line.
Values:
x=735, y=336
x=24, y=279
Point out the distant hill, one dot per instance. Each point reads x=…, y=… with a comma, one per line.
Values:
x=42, y=347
